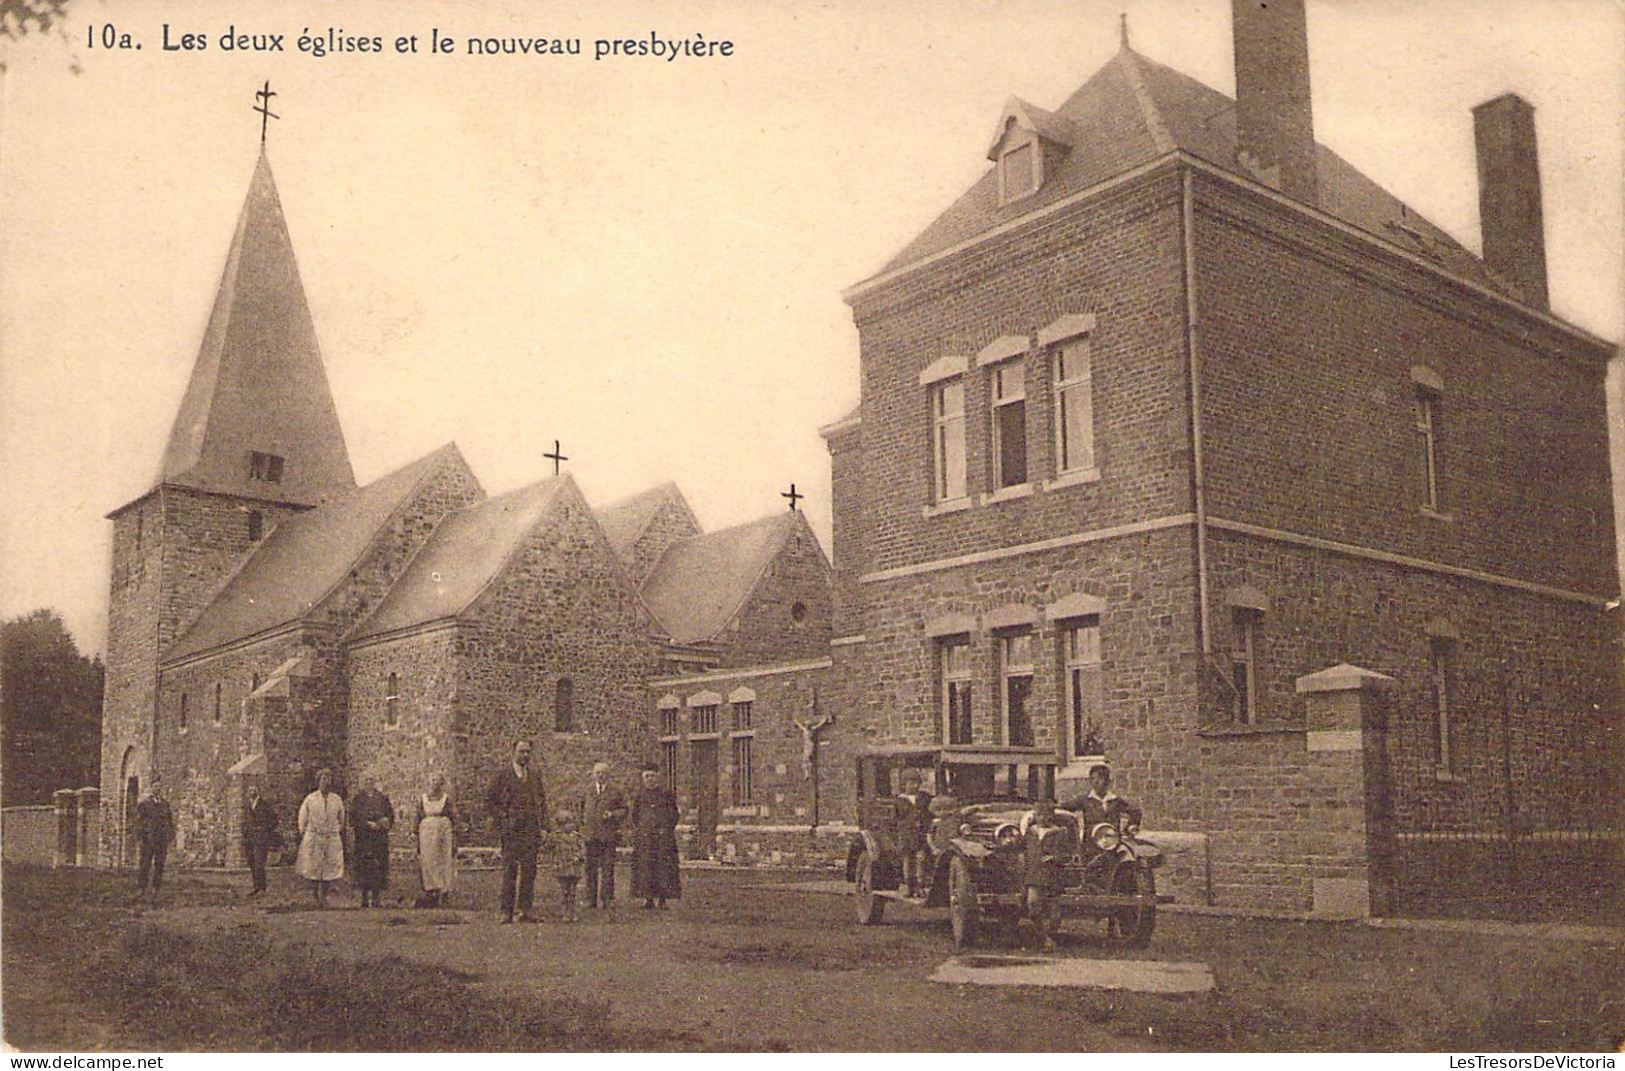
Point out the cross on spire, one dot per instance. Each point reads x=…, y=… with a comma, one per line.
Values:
x=264, y=108
x=793, y=495
x=556, y=456
x=1122, y=28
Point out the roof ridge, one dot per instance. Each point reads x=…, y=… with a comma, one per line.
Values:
x=1128, y=62
x=780, y=538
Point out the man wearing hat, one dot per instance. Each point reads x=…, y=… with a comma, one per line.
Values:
x=1101, y=804
x=603, y=809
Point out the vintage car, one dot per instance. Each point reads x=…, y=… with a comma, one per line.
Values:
x=975, y=860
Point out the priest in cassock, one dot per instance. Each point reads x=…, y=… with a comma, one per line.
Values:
x=372, y=817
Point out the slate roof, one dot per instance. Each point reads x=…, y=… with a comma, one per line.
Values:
x=1133, y=111
x=464, y=554
x=258, y=383
x=701, y=582
x=302, y=560
x=624, y=520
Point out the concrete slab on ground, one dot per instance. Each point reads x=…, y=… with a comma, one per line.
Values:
x=1133, y=975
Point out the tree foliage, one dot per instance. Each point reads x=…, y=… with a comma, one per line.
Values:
x=50, y=710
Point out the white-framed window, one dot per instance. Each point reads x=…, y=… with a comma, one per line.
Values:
x=1009, y=424
x=1016, y=687
x=948, y=439
x=392, y=695
x=1080, y=661
x=1244, y=666
x=1074, y=407
x=953, y=655
x=1428, y=406
x=705, y=719
x=1441, y=655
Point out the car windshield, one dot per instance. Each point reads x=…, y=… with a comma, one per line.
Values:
x=1004, y=782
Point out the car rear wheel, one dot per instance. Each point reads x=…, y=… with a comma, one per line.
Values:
x=870, y=906
x=962, y=911
x=1131, y=925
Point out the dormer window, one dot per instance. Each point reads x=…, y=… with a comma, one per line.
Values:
x=264, y=467
x=1018, y=173
x=1029, y=141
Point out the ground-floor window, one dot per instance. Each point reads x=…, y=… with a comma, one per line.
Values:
x=954, y=656
x=668, y=765
x=1016, y=671
x=743, y=775
x=1080, y=659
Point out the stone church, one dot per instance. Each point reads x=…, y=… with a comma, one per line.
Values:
x=268, y=617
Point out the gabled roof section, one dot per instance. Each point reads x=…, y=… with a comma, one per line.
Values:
x=258, y=384
x=1046, y=125
x=700, y=583
x=467, y=551
x=1133, y=111
x=304, y=558
x=625, y=520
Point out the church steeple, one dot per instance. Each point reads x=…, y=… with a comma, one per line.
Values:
x=258, y=419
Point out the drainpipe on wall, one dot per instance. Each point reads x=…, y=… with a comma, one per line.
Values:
x=1198, y=483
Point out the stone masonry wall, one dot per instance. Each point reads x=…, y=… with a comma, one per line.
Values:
x=670, y=523
x=562, y=607
x=766, y=629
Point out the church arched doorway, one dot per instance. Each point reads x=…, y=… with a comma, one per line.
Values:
x=132, y=771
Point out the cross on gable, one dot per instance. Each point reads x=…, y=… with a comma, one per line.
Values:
x=793, y=495
x=264, y=107
x=556, y=456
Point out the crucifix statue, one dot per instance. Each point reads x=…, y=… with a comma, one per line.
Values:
x=809, y=749
x=264, y=107
x=793, y=495
x=556, y=456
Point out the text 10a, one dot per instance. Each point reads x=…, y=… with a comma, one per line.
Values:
x=108, y=36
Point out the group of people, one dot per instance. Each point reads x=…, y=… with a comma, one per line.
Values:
x=582, y=843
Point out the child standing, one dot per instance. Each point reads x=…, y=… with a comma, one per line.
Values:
x=566, y=851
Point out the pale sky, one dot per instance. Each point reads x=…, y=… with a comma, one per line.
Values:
x=640, y=258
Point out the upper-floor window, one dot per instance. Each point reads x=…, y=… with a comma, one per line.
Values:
x=1441, y=654
x=705, y=719
x=1010, y=424
x=669, y=716
x=1427, y=435
x=1016, y=679
x=954, y=666
x=1074, y=408
x=262, y=466
x=564, y=713
x=1080, y=653
x=948, y=439
x=742, y=715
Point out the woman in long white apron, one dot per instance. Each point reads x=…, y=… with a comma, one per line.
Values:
x=436, y=860
x=321, y=833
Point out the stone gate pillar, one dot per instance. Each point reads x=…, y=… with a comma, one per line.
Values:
x=89, y=826
x=1345, y=713
x=67, y=827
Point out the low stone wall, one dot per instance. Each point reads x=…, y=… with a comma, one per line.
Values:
x=778, y=845
x=1491, y=875
x=29, y=834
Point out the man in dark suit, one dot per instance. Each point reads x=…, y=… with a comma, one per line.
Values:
x=154, y=833
x=518, y=808
x=603, y=809
x=260, y=835
x=1101, y=804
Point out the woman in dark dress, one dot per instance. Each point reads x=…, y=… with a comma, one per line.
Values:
x=654, y=842
x=372, y=816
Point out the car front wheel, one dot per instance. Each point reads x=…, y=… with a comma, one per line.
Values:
x=870, y=906
x=961, y=902
x=1131, y=926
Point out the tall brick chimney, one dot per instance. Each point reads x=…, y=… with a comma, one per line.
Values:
x=1275, y=129
x=1509, y=195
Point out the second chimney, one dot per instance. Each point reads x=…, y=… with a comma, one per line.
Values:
x=1275, y=129
x=1509, y=213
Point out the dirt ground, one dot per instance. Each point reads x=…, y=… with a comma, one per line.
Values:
x=739, y=963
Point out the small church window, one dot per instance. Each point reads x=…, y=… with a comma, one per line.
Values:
x=217, y=702
x=564, y=715
x=1441, y=654
x=184, y=718
x=1010, y=424
x=266, y=467
x=256, y=525
x=392, y=693
x=1427, y=432
x=798, y=612
x=140, y=528
x=1244, y=666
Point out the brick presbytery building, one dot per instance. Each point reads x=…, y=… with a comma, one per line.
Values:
x=1181, y=438
x=268, y=617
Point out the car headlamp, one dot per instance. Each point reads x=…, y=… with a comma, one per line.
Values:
x=1105, y=837
x=1007, y=835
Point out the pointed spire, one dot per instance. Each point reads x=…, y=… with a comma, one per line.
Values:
x=258, y=390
